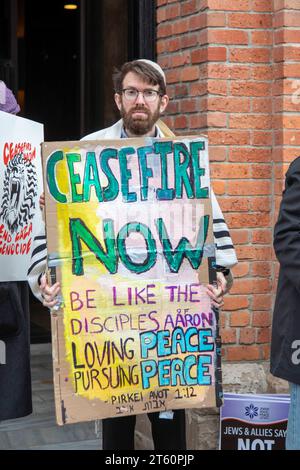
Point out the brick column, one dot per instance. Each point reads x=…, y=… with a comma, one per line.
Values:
x=218, y=59
x=286, y=93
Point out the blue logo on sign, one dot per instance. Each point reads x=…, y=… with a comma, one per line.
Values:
x=251, y=411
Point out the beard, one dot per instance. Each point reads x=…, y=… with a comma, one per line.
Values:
x=139, y=126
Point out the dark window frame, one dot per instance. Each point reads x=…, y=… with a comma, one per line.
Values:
x=142, y=29
x=9, y=64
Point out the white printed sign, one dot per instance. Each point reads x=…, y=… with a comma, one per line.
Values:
x=20, y=187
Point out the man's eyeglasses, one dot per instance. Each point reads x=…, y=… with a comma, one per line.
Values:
x=149, y=95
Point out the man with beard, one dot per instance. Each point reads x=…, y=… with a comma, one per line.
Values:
x=140, y=95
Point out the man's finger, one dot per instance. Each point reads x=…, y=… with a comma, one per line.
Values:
x=43, y=281
x=222, y=282
x=51, y=290
x=215, y=304
x=49, y=297
x=42, y=201
x=50, y=304
x=213, y=291
x=212, y=288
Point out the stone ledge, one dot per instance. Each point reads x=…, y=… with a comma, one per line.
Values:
x=41, y=349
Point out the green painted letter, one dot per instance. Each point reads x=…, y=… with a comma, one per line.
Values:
x=91, y=178
x=80, y=233
x=51, y=179
x=150, y=250
x=74, y=177
x=201, y=193
x=184, y=249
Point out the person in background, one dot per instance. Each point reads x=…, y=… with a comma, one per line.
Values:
x=285, y=343
x=140, y=95
x=15, y=376
x=8, y=102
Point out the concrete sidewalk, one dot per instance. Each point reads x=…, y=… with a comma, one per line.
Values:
x=39, y=430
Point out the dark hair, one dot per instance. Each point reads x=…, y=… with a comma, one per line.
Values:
x=148, y=73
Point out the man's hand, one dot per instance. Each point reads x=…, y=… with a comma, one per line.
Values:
x=42, y=201
x=216, y=292
x=49, y=293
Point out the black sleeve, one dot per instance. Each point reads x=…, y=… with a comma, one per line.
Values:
x=287, y=227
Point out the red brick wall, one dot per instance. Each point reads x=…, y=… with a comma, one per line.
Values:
x=286, y=92
x=231, y=68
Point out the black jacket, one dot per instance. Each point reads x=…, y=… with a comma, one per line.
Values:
x=285, y=347
x=15, y=378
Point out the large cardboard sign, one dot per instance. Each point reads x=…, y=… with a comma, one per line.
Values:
x=254, y=422
x=129, y=234
x=20, y=187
